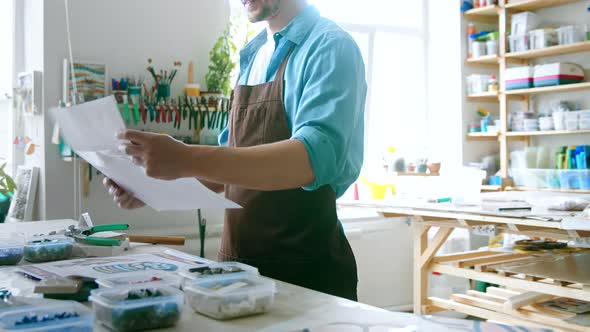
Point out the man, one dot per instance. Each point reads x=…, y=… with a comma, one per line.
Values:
x=293, y=145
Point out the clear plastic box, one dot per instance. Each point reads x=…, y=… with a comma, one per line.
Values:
x=215, y=269
x=477, y=83
x=142, y=278
x=11, y=251
x=551, y=178
x=542, y=38
x=571, y=34
x=48, y=249
x=137, y=308
x=231, y=296
x=62, y=316
x=518, y=43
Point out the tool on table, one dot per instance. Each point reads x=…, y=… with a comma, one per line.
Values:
x=84, y=235
x=515, y=208
x=202, y=232
x=167, y=240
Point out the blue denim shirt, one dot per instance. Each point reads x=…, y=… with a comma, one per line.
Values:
x=325, y=93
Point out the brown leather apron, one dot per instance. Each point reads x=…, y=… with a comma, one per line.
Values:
x=290, y=235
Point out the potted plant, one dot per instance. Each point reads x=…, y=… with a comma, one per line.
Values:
x=221, y=64
x=7, y=187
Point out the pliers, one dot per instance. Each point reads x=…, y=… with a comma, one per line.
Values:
x=84, y=235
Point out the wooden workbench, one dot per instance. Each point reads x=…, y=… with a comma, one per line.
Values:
x=476, y=265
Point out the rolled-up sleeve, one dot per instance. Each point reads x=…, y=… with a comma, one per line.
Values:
x=330, y=116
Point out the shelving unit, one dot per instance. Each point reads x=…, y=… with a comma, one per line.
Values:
x=546, y=133
x=501, y=15
x=477, y=265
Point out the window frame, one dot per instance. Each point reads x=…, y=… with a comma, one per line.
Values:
x=371, y=30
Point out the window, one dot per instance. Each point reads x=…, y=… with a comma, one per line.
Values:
x=6, y=75
x=392, y=37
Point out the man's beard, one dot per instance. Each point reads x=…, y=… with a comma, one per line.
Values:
x=268, y=11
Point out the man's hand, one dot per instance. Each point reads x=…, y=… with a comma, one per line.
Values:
x=123, y=198
x=162, y=156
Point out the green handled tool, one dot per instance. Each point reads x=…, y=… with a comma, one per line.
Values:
x=85, y=235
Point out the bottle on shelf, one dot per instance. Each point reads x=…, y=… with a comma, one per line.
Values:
x=471, y=35
x=493, y=84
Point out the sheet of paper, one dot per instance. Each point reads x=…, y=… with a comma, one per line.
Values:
x=166, y=261
x=90, y=129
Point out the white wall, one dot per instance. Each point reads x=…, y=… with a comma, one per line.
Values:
x=123, y=34
x=444, y=82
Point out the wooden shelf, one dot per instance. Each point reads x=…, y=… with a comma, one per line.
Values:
x=529, y=5
x=549, y=89
x=551, y=51
x=485, y=60
x=485, y=97
x=490, y=188
x=574, y=191
x=546, y=133
x=415, y=174
x=487, y=14
x=482, y=136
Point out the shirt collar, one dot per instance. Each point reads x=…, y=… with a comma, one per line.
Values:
x=301, y=25
x=295, y=31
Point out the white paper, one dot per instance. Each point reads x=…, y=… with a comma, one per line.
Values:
x=91, y=128
x=168, y=261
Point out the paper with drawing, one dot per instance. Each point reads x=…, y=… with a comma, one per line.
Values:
x=90, y=129
x=166, y=261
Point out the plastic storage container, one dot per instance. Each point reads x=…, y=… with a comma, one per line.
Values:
x=216, y=269
x=542, y=38
x=231, y=296
x=557, y=74
x=559, y=120
x=11, y=251
x=62, y=316
x=522, y=23
x=519, y=77
x=137, y=308
x=574, y=179
x=48, y=250
x=477, y=83
x=572, y=121
x=546, y=123
x=534, y=178
x=518, y=43
x=140, y=279
x=571, y=34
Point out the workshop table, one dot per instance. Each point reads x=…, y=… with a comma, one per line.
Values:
x=496, y=303
x=295, y=309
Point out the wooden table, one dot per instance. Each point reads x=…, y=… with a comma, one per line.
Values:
x=497, y=303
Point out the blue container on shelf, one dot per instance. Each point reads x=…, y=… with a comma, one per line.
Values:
x=585, y=179
x=569, y=179
x=552, y=180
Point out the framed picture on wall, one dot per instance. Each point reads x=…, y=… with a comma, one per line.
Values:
x=28, y=92
x=90, y=78
x=23, y=201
